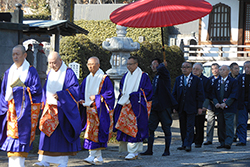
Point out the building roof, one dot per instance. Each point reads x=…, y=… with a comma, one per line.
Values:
x=63, y=27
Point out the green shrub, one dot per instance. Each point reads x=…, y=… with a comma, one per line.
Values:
x=79, y=48
x=106, y=29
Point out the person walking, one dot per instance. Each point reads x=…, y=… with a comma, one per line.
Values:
x=162, y=103
x=20, y=101
x=60, y=123
x=131, y=111
x=97, y=97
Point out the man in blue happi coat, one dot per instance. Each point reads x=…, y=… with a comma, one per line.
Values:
x=189, y=93
x=225, y=95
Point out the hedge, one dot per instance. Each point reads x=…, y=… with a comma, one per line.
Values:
x=79, y=48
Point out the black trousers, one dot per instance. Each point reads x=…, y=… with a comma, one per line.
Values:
x=199, y=129
x=160, y=116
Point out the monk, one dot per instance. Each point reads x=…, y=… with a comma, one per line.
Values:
x=60, y=120
x=97, y=94
x=19, y=107
x=131, y=112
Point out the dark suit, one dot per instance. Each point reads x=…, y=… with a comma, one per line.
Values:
x=200, y=119
x=243, y=108
x=190, y=98
x=227, y=92
x=162, y=102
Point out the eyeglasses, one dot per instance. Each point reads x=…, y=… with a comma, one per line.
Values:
x=130, y=64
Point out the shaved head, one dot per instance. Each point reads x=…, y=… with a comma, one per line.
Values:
x=93, y=65
x=96, y=59
x=54, y=60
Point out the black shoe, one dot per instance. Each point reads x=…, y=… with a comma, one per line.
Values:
x=208, y=143
x=220, y=147
x=235, y=140
x=166, y=154
x=181, y=148
x=198, y=146
x=147, y=153
x=188, y=149
x=241, y=144
x=227, y=147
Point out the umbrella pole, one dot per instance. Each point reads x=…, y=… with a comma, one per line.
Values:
x=163, y=49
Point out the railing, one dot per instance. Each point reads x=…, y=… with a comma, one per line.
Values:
x=198, y=50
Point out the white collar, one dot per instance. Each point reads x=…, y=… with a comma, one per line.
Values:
x=55, y=83
x=14, y=74
x=92, y=86
x=131, y=84
x=224, y=79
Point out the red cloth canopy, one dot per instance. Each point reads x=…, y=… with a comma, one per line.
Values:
x=160, y=13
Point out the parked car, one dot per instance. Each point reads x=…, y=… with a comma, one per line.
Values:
x=207, y=66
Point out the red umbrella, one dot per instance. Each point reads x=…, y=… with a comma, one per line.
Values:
x=160, y=13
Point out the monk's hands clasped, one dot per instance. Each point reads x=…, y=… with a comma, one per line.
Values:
x=81, y=101
x=55, y=96
x=92, y=98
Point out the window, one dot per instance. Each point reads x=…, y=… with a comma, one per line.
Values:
x=219, y=27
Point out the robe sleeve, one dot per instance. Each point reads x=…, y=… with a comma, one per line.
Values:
x=82, y=108
x=107, y=93
x=24, y=114
x=68, y=113
x=3, y=110
x=137, y=99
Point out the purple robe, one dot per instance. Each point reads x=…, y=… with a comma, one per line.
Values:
x=107, y=92
x=65, y=138
x=142, y=116
x=24, y=122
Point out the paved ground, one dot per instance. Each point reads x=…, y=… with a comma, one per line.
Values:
x=205, y=156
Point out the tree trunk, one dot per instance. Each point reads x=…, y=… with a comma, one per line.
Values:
x=62, y=9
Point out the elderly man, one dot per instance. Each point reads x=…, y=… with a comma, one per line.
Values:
x=210, y=111
x=243, y=105
x=162, y=102
x=200, y=119
x=19, y=108
x=131, y=114
x=97, y=94
x=225, y=94
x=189, y=93
x=60, y=121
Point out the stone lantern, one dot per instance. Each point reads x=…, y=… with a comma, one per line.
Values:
x=120, y=46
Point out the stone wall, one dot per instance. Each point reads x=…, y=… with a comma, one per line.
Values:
x=8, y=39
x=94, y=11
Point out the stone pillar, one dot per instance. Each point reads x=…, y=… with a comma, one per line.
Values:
x=120, y=46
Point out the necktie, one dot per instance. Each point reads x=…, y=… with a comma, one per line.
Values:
x=185, y=80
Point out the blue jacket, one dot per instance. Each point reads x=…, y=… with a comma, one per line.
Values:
x=241, y=98
x=194, y=94
x=162, y=97
x=230, y=94
x=206, y=85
